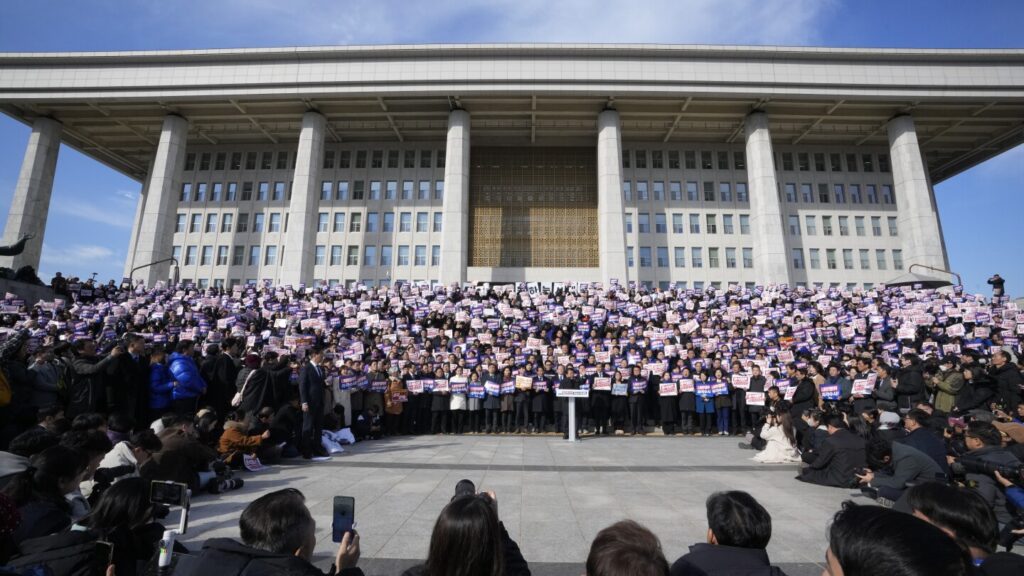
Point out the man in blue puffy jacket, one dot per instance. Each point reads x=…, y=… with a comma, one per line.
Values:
x=189, y=385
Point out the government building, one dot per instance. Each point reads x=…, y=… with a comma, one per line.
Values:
x=693, y=166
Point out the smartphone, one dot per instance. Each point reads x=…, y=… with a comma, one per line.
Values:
x=344, y=516
x=103, y=556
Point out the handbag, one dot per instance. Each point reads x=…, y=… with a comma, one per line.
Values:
x=236, y=401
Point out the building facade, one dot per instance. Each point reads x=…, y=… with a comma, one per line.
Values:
x=687, y=165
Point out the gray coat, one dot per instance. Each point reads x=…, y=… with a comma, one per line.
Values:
x=908, y=465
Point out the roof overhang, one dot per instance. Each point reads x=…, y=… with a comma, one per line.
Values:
x=968, y=105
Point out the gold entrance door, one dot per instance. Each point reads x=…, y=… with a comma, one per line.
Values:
x=533, y=207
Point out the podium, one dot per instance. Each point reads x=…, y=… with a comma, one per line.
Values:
x=572, y=395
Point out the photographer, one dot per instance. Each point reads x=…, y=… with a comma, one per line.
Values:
x=946, y=383
x=923, y=438
x=985, y=455
x=125, y=459
x=897, y=466
x=998, y=285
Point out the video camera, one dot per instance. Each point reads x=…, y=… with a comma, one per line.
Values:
x=975, y=465
x=162, y=493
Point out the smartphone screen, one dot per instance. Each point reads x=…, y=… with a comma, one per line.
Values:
x=344, y=516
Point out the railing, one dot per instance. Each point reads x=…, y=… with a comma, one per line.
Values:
x=959, y=280
x=172, y=259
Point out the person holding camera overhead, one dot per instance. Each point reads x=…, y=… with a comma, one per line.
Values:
x=985, y=454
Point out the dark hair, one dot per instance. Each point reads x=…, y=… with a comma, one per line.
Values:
x=920, y=417
x=278, y=522
x=32, y=442
x=229, y=342
x=835, y=421
x=869, y=540
x=963, y=512
x=877, y=449
x=984, y=431
x=183, y=346
x=120, y=422
x=88, y=421
x=737, y=519
x=626, y=548
x=814, y=414
x=147, y=440
x=46, y=471
x=49, y=412
x=125, y=503
x=89, y=443
x=466, y=540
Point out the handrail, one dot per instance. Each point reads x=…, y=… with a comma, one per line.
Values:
x=171, y=259
x=959, y=280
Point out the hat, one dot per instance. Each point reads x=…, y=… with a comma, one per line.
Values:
x=889, y=418
x=1012, y=429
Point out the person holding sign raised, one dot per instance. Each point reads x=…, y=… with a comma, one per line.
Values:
x=687, y=400
x=491, y=381
x=721, y=388
x=540, y=403
x=601, y=399
x=703, y=388
x=637, y=393
x=740, y=381
x=836, y=390
x=458, y=386
x=508, y=407
x=620, y=401
x=439, y=403
x=668, y=392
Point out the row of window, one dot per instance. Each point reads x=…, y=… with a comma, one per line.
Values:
x=831, y=261
x=710, y=220
x=811, y=227
x=746, y=257
x=375, y=222
x=329, y=190
x=736, y=160
x=838, y=194
x=343, y=159
x=274, y=256
x=643, y=190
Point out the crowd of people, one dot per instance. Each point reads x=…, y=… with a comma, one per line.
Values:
x=885, y=390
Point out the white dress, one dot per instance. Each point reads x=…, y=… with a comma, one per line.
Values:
x=778, y=450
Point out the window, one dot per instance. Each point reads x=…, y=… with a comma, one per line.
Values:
x=847, y=259
x=887, y=197
x=694, y=223
x=741, y=192
x=358, y=189
x=326, y=190
x=385, y=255
x=629, y=257
x=254, y=256
x=826, y=225
x=696, y=260
x=657, y=159
x=679, y=254
x=869, y=165
x=335, y=255
x=222, y=255
x=798, y=258
x=237, y=255
x=232, y=194
x=865, y=259
x=186, y=192
x=880, y=259
x=278, y=191
x=893, y=229
x=407, y=190
x=675, y=190
x=691, y=191
x=690, y=159
x=282, y=160
x=629, y=223
x=374, y=190
x=405, y=222
x=439, y=190
x=855, y=194
x=204, y=161
x=352, y=259
x=440, y=158
x=644, y=223
x=270, y=258
x=725, y=191
x=883, y=162
x=815, y=258
x=190, y=161
x=360, y=158
x=823, y=193
x=730, y=257
x=739, y=160
x=662, y=256
x=748, y=257
x=424, y=190
x=819, y=162
x=250, y=160
x=321, y=222
x=787, y=161
x=713, y=257
x=659, y=223
x=659, y=191
x=876, y=225
x=206, y=256
x=673, y=159
x=190, y=254
x=246, y=191
x=723, y=160
x=872, y=194
x=369, y=256
x=426, y=158
x=794, y=225
x=712, y=226
x=744, y=224
x=438, y=219
x=709, y=191
x=200, y=192
x=339, y=222
x=435, y=255
x=262, y=191
x=844, y=225
x=627, y=191
x=420, y=255
x=226, y=221
x=807, y=193
x=626, y=156
x=645, y=256
x=355, y=222
x=803, y=161
x=409, y=159
x=810, y=226
x=830, y=258
x=216, y=192
x=319, y=255
x=274, y=224
x=851, y=162
x=641, y=159
x=371, y=221
x=677, y=223
x=897, y=259
x=243, y=221
x=840, y=194
x=790, y=192
x=641, y=190
x=328, y=159
x=403, y=255
x=858, y=224
x=388, y=222
x=421, y=221
x=179, y=223
x=197, y=221
x=377, y=159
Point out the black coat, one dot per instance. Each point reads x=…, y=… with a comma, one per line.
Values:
x=311, y=387
x=257, y=390
x=803, y=398
x=709, y=559
x=225, y=557
x=757, y=384
x=128, y=387
x=841, y=454
x=65, y=554
x=930, y=443
x=910, y=388
x=1008, y=383
x=87, y=391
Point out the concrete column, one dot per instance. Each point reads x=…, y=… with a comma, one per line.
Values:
x=298, y=247
x=770, y=263
x=129, y=261
x=31, y=201
x=455, y=222
x=917, y=215
x=611, y=233
x=153, y=241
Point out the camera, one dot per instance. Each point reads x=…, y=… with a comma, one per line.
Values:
x=168, y=493
x=1012, y=472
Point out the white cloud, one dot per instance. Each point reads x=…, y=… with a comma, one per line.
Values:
x=81, y=260
x=75, y=255
x=116, y=216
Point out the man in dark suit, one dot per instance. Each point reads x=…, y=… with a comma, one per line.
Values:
x=921, y=436
x=311, y=394
x=128, y=384
x=840, y=455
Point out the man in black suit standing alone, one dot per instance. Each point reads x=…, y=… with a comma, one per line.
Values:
x=311, y=394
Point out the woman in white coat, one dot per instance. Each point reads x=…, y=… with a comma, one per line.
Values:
x=781, y=447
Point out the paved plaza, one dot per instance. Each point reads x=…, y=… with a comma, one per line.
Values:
x=553, y=496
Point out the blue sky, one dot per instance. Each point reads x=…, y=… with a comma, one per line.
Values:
x=92, y=206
